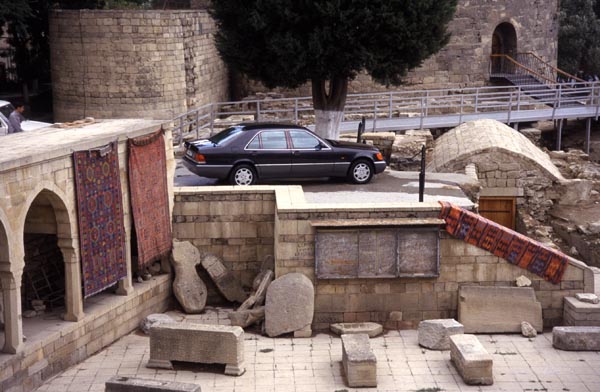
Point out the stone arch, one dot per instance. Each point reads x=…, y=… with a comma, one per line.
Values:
x=47, y=196
x=504, y=39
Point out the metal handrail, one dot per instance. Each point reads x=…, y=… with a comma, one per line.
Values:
x=393, y=105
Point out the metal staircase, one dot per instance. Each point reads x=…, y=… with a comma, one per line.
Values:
x=537, y=78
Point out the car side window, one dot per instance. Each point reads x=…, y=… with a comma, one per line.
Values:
x=273, y=140
x=255, y=143
x=304, y=140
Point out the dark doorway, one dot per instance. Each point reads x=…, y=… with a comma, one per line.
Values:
x=504, y=42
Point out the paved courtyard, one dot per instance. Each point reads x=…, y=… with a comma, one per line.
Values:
x=314, y=365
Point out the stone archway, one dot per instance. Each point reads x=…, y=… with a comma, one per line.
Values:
x=504, y=42
x=48, y=222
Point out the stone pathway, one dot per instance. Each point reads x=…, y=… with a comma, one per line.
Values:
x=314, y=365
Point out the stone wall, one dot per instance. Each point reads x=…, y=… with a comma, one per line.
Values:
x=465, y=60
x=397, y=302
x=132, y=63
x=113, y=318
x=236, y=225
x=403, y=302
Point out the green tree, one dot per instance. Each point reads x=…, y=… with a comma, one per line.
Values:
x=579, y=37
x=287, y=43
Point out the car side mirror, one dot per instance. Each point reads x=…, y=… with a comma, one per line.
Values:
x=319, y=147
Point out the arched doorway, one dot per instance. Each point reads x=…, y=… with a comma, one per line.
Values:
x=4, y=259
x=504, y=42
x=51, y=281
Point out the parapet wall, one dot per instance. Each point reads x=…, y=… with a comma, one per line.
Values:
x=395, y=302
x=133, y=63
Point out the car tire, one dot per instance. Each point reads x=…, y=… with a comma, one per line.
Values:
x=361, y=172
x=243, y=175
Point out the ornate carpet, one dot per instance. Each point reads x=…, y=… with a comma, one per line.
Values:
x=100, y=217
x=149, y=197
x=503, y=242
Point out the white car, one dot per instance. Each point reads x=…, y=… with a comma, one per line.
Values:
x=6, y=109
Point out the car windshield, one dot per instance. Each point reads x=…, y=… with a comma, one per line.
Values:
x=7, y=109
x=226, y=135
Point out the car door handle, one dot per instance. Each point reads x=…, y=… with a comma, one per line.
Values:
x=296, y=152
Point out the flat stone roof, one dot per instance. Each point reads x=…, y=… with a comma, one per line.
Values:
x=30, y=147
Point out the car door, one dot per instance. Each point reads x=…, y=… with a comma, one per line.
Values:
x=310, y=156
x=270, y=153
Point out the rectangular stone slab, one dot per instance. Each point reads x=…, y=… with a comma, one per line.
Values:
x=359, y=361
x=134, y=384
x=576, y=338
x=483, y=309
x=471, y=359
x=199, y=343
x=578, y=313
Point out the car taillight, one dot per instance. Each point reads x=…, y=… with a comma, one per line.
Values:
x=379, y=156
x=199, y=158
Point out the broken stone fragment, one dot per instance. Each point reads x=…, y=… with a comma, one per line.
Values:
x=523, y=281
x=188, y=288
x=245, y=318
x=257, y=298
x=225, y=281
x=527, y=330
x=369, y=328
x=289, y=305
x=588, y=297
x=154, y=319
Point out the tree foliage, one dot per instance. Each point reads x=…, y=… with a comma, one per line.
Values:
x=285, y=43
x=579, y=37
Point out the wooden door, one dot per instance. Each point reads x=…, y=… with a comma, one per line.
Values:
x=501, y=210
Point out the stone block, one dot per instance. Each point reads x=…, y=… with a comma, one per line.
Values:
x=198, y=343
x=134, y=384
x=588, y=297
x=225, y=281
x=576, y=338
x=434, y=334
x=471, y=360
x=359, y=361
x=578, y=313
x=289, y=305
x=368, y=328
x=484, y=309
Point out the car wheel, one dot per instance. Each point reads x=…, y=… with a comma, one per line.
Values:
x=361, y=172
x=243, y=175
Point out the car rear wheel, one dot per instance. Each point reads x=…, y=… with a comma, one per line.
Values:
x=360, y=172
x=243, y=175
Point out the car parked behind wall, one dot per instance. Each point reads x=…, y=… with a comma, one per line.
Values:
x=247, y=153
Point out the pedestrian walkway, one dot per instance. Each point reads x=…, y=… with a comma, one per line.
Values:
x=314, y=365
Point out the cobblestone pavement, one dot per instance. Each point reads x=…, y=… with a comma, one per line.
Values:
x=314, y=365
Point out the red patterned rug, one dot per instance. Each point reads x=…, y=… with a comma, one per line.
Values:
x=503, y=242
x=149, y=197
x=100, y=217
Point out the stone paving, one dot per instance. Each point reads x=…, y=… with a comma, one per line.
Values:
x=314, y=365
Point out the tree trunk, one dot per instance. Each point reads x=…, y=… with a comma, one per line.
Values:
x=329, y=106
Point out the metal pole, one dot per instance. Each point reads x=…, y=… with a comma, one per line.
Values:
x=390, y=111
x=422, y=175
x=559, y=134
x=257, y=110
x=588, y=128
x=296, y=111
x=422, y=113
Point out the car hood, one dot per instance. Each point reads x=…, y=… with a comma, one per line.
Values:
x=345, y=144
x=30, y=125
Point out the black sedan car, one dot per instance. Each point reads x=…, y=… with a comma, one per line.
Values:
x=247, y=153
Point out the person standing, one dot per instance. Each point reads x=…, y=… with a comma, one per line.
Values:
x=16, y=118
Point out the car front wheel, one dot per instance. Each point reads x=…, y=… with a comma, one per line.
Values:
x=360, y=172
x=243, y=175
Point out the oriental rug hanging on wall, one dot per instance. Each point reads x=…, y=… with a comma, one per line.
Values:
x=149, y=197
x=100, y=217
x=503, y=242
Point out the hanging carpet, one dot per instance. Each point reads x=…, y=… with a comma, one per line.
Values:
x=503, y=242
x=149, y=197
x=100, y=217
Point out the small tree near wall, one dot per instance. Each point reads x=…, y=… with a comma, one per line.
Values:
x=286, y=43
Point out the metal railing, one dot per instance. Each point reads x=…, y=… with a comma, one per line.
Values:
x=528, y=65
x=398, y=106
